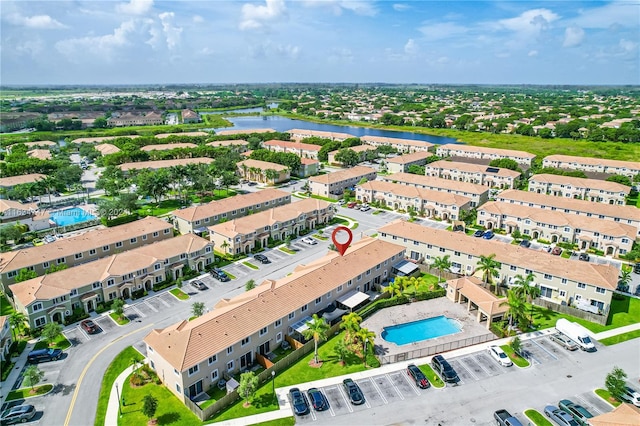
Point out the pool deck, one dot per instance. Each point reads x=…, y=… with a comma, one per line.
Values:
x=415, y=311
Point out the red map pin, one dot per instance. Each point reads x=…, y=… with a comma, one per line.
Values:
x=341, y=246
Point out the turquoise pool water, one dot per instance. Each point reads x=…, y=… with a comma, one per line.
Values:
x=70, y=216
x=418, y=331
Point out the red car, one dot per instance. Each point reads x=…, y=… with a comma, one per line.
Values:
x=557, y=251
x=352, y=204
x=89, y=326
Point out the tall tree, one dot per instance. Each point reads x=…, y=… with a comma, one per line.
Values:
x=16, y=321
x=526, y=287
x=615, y=382
x=490, y=268
x=347, y=157
x=248, y=385
x=51, y=331
x=317, y=330
x=351, y=325
x=366, y=338
x=33, y=375
x=149, y=406
x=516, y=305
x=393, y=288
x=441, y=263
x=197, y=309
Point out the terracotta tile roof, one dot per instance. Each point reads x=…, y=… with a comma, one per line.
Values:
x=42, y=154
x=472, y=289
x=605, y=276
x=409, y=158
x=473, y=168
x=237, y=202
x=485, y=150
x=187, y=343
x=580, y=182
x=307, y=161
x=257, y=221
x=39, y=143
x=102, y=139
x=342, y=175
x=8, y=182
x=623, y=212
x=18, y=259
x=107, y=148
x=231, y=142
x=293, y=145
x=632, y=165
x=395, y=141
x=623, y=415
x=161, y=164
x=166, y=135
x=320, y=134
x=245, y=131
x=436, y=182
x=560, y=219
x=24, y=208
x=167, y=146
x=445, y=198
x=262, y=165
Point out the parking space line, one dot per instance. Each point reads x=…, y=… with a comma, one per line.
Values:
x=150, y=306
x=346, y=400
x=375, y=385
x=468, y=371
x=583, y=401
x=395, y=387
x=137, y=310
x=544, y=349
x=163, y=302
x=483, y=368
x=411, y=383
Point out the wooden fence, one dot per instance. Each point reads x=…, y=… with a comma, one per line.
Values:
x=579, y=313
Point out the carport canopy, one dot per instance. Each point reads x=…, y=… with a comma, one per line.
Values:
x=301, y=325
x=405, y=268
x=353, y=299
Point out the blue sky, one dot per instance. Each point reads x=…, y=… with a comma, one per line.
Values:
x=154, y=41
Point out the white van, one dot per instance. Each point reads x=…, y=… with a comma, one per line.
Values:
x=577, y=333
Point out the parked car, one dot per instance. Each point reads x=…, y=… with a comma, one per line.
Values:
x=444, y=369
x=418, y=376
x=504, y=418
x=564, y=341
x=559, y=416
x=498, y=354
x=219, y=275
x=556, y=251
x=341, y=202
x=309, y=240
x=488, y=235
x=525, y=243
x=636, y=268
x=578, y=412
x=631, y=396
x=43, y=355
x=478, y=233
x=299, y=402
x=198, y=284
x=352, y=204
x=365, y=208
x=253, y=183
x=17, y=413
x=89, y=326
x=261, y=258
x=353, y=391
x=317, y=399
x=584, y=257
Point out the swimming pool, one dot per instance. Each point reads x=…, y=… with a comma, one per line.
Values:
x=70, y=216
x=417, y=331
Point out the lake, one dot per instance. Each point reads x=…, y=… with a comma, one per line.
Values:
x=283, y=124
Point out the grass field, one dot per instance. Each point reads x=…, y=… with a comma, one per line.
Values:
x=25, y=392
x=433, y=378
x=604, y=394
x=620, y=338
x=517, y=359
x=537, y=418
x=179, y=293
x=60, y=342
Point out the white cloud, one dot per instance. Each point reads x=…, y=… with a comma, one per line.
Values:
x=401, y=7
x=624, y=13
x=532, y=53
x=411, y=47
x=269, y=49
x=628, y=45
x=359, y=7
x=440, y=31
x=341, y=54
x=101, y=46
x=573, y=36
x=135, y=7
x=30, y=47
x=172, y=33
x=38, y=22
x=198, y=19
x=254, y=17
x=531, y=22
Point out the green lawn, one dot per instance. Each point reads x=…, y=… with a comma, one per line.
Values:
x=120, y=320
x=604, y=394
x=517, y=359
x=623, y=312
x=117, y=366
x=26, y=392
x=60, y=342
x=231, y=276
x=179, y=293
x=164, y=207
x=262, y=402
x=287, y=250
x=5, y=306
x=250, y=265
x=537, y=418
x=620, y=338
x=433, y=378
x=171, y=411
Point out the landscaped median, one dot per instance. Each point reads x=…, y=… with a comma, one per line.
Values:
x=537, y=418
x=28, y=392
x=606, y=395
x=517, y=359
x=433, y=378
x=179, y=294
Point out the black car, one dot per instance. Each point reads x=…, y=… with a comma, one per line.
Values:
x=584, y=256
x=525, y=243
x=18, y=413
x=43, y=355
x=418, y=376
x=198, y=284
x=219, y=275
x=253, y=183
x=636, y=268
x=317, y=399
x=479, y=233
x=261, y=258
x=299, y=402
x=353, y=391
x=444, y=369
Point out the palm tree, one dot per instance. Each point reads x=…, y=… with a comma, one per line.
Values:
x=526, y=287
x=351, y=324
x=441, y=264
x=48, y=183
x=224, y=246
x=516, y=305
x=624, y=279
x=271, y=175
x=393, y=289
x=489, y=267
x=16, y=320
x=317, y=329
x=365, y=337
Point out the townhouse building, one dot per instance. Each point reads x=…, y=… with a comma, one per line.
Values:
x=400, y=145
x=299, y=134
x=53, y=297
x=28, y=214
x=107, y=148
x=426, y=202
x=628, y=215
x=99, y=139
x=479, y=194
x=561, y=281
x=263, y=171
x=361, y=150
x=238, y=145
x=613, y=238
x=192, y=356
x=402, y=163
x=6, y=338
x=493, y=177
x=243, y=234
x=190, y=116
x=308, y=167
x=40, y=154
x=302, y=150
x=588, y=164
x=38, y=144
x=168, y=146
x=131, y=119
x=196, y=219
x=244, y=132
x=164, y=164
x=335, y=183
x=9, y=182
x=484, y=153
x=83, y=248
x=595, y=190
x=181, y=134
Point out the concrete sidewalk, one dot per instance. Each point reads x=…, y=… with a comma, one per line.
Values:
x=19, y=363
x=113, y=408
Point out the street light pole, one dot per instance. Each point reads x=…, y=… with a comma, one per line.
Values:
x=273, y=384
x=118, y=395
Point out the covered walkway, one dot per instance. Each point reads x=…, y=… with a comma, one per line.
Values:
x=470, y=290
